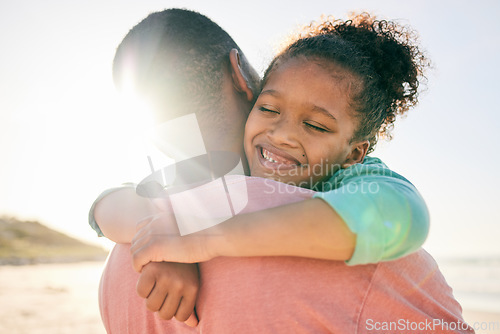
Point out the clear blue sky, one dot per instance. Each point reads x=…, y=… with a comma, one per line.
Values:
x=60, y=144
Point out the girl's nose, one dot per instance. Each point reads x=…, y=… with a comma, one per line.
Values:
x=283, y=132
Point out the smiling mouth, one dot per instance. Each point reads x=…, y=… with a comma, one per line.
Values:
x=277, y=159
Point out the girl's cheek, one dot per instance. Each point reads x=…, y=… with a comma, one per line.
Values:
x=254, y=124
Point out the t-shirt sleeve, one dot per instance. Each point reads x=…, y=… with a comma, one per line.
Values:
x=92, y=221
x=384, y=210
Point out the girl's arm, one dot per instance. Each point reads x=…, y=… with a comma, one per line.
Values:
x=368, y=203
x=287, y=230
x=116, y=212
x=384, y=210
x=371, y=214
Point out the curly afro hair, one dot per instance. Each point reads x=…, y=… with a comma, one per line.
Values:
x=384, y=58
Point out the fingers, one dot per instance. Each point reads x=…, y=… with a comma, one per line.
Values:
x=146, y=248
x=164, y=298
x=140, y=256
x=141, y=232
x=192, y=321
x=173, y=304
x=155, y=300
x=143, y=222
x=170, y=306
x=154, y=248
x=185, y=311
x=171, y=290
x=137, y=263
x=145, y=285
x=152, y=233
x=151, y=248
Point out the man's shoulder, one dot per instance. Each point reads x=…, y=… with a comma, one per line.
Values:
x=403, y=286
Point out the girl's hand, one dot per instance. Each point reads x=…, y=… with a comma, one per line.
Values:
x=158, y=239
x=171, y=290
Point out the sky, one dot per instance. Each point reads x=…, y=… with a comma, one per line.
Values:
x=64, y=137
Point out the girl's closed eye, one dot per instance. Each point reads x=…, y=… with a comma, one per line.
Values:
x=267, y=110
x=316, y=127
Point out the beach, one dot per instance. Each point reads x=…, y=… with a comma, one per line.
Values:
x=62, y=299
x=483, y=322
x=50, y=298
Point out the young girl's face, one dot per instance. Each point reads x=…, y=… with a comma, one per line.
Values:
x=300, y=128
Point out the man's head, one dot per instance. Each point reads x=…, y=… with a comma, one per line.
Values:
x=182, y=62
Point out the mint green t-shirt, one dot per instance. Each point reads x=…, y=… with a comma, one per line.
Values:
x=383, y=209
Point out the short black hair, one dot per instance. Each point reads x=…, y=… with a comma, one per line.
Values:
x=176, y=56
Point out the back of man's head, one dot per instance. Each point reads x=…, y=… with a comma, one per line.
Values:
x=176, y=59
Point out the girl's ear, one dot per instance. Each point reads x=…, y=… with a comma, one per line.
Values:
x=240, y=78
x=357, y=154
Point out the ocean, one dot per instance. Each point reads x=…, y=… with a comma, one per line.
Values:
x=475, y=282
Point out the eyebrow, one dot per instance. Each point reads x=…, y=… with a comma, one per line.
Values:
x=271, y=92
x=323, y=111
x=315, y=108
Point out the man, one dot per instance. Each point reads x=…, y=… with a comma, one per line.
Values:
x=179, y=70
x=257, y=294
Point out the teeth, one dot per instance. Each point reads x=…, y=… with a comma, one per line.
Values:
x=266, y=156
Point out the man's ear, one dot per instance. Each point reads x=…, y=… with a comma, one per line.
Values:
x=357, y=154
x=240, y=78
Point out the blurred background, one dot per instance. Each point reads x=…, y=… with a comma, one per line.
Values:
x=66, y=134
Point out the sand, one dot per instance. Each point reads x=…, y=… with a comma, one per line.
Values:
x=50, y=298
x=62, y=299
x=483, y=322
